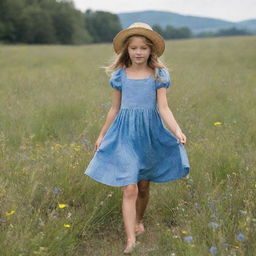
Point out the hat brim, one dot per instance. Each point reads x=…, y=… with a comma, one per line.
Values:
x=150, y=34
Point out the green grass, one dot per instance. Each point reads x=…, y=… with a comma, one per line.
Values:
x=54, y=101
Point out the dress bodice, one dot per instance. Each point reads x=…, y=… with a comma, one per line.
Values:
x=138, y=93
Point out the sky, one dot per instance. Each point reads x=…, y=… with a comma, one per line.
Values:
x=230, y=10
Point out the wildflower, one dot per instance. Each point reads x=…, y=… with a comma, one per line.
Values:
x=67, y=226
x=184, y=232
x=110, y=194
x=213, y=224
x=197, y=206
x=190, y=181
x=213, y=250
x=29, y=212
x=56, y=190
x=240, y=237
x=9, y=213
x=243, y=212
x=75, y=147
x=188, y=239
x=62, y=205
x=217, y=123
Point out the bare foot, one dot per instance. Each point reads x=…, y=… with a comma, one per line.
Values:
x=130, y=246
x=139, y=228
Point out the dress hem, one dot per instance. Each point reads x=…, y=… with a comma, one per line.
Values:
x=130, y=183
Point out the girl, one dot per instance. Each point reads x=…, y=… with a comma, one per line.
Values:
x=134, y=147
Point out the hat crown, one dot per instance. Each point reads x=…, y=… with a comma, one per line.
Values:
x=140, y=25
x=139, y=28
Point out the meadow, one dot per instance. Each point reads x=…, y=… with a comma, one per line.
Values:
x=53, y=103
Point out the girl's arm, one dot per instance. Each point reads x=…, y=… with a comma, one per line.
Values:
x=112, y=112
x=166, y=113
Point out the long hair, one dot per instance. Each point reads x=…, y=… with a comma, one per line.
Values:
x=122, y=60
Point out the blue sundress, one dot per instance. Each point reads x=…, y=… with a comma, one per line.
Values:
x=137, y=145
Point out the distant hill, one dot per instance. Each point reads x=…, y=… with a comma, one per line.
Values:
x=196, y=24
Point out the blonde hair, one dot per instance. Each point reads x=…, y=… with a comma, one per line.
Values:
x=123, y=59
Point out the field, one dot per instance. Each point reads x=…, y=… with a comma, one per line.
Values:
x=53, y=103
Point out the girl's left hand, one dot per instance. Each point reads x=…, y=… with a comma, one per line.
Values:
x=181, y=136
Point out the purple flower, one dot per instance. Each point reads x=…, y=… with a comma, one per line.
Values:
x=213, y=250
x=188, y=239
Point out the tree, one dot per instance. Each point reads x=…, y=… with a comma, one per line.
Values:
x=36, y=26
x=103, y=26
x=158, y=29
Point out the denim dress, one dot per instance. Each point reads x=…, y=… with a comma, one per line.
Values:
x=137, y=145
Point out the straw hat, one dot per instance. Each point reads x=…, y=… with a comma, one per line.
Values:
x=139, y=28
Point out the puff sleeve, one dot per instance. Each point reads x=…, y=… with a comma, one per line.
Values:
x=165, y=77
x=115, y=80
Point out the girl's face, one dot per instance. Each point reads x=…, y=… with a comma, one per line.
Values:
x=138, y=50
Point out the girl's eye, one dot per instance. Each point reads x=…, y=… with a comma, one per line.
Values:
x=142, y=48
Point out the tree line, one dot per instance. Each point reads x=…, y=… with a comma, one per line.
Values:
x=59, y=22
x=54, y=22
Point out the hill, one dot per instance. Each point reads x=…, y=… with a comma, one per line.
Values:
x=196, y=24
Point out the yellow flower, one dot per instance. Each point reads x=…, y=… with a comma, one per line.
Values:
x=63, y=205
x=9, y=213
x=184, y=232
x=217, y=123
x=75, y=146
x=67, y=226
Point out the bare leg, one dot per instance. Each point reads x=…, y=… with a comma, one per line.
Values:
x=141, y=204
x=130, y=193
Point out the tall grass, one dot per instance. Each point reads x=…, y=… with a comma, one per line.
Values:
x=54, y=101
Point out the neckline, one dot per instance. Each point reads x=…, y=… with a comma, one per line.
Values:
x=135, y=79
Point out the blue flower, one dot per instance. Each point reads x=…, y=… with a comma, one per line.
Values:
x=188, y=239
x=197, y=206
x=56, y=190
x=213, y=250
x=240, y=237
x=213, y=224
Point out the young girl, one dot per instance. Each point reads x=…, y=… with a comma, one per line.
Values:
x=134, y=147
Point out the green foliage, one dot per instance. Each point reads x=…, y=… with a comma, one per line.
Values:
x=233, y=31
x=53, y=22
x=173, y=33
x=103, y=26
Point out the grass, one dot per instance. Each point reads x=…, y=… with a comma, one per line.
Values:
x=54, y=101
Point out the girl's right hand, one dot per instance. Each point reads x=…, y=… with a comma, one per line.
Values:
x=97, y=143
